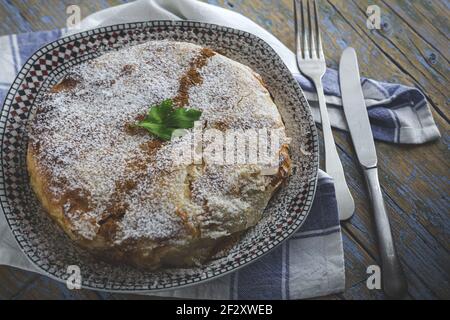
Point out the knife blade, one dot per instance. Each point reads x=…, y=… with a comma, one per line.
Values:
x=355, y=110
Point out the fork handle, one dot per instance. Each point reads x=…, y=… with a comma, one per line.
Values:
x=333, y=165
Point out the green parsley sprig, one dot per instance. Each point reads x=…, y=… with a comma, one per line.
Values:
x=163, y=119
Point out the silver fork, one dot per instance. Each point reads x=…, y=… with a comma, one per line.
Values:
x=311, y=62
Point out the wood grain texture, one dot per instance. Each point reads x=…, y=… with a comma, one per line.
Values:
x=411, y=48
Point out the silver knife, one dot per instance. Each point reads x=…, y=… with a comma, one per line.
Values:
x=393, y=279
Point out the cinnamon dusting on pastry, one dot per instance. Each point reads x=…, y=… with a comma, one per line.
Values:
x=192, y=77
x=67, y=84
x=127, y=70
x=76, y=200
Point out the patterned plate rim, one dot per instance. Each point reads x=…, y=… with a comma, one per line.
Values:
x=312, y=178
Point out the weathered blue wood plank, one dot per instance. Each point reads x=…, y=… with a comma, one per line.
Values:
x=402, y=46
x=19, y=16
x=424, y=18
x=12, y=20
x=13, y=281
x=44, y=288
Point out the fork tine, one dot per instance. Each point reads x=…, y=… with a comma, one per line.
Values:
x=312, y=30
x=298, y=29
x=319, y=37
x=306, y=53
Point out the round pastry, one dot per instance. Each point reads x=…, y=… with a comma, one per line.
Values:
x=122, y=193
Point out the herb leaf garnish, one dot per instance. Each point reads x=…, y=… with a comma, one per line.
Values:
x=163, y=119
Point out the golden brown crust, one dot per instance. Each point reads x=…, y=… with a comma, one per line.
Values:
x=201, y=223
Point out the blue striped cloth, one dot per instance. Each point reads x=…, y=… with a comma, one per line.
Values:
x=309, y=264
x=398, y=114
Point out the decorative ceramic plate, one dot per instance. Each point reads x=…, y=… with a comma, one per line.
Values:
x=52, y=251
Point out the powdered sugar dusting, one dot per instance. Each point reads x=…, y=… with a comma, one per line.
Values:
x=81, y=140
x=230, y=102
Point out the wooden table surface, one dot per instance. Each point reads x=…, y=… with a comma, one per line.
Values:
x=412, y=48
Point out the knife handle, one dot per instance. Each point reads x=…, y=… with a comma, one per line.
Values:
x=393, y=278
